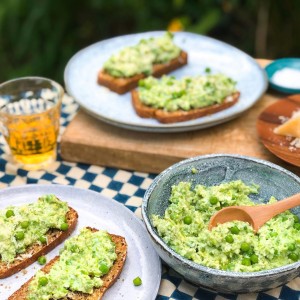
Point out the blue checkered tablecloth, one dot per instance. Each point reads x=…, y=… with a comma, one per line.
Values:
x=128, y=188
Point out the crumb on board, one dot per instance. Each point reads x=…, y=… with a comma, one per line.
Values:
x=24, y=272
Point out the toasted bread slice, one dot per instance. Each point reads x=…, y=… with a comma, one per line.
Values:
x=123, y=85
x=108, y=279
x=54, y=237
x=163, y=116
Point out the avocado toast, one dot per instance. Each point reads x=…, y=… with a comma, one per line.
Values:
x=153, y=56
x=171, y=100
x=32, y=230
x=87, y=266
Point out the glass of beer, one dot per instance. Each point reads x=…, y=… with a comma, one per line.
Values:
x=29, y=119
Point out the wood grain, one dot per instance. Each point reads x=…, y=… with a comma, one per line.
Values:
x=89, y=140
x=271, y=118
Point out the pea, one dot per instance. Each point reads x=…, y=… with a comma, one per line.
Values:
x=42, y=260
x=64, y=226
x=246, y=261
x=250, y=252
x=234, y=230
x=43, y=239
x=179, y=94
x=24, y=224
x=291, y=247
x=229, y=239
x=297, y=226
x=245, y=247
x=19, y=235
x=194, y=171
x=103, y=268
x=9, y=213
x=137, y=281
x=74, y=248
x=187, y=220
x=296, y=219
x=43, y=281
x=293, y=256
x=141, y=83
x=213, y=200
x=254, y=258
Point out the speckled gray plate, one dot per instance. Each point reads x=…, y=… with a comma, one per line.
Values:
x=215, y=169
x=102, y=213
x=81, y=80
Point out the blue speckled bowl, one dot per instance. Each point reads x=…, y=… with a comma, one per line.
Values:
x=215, y=169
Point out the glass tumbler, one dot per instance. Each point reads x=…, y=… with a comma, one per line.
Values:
x=29, y=119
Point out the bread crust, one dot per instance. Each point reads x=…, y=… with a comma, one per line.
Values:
x=54, y=237
x=163, y=116
x=123, y=85
x=108, y=279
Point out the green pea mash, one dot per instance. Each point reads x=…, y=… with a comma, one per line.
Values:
x=232, y=246
x=84, y=259
x=140, y=58
x=187, y=93
x=22, y=226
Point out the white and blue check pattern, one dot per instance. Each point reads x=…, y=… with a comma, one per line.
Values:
x=128, y=188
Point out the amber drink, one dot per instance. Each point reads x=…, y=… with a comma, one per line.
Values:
x=29, y=116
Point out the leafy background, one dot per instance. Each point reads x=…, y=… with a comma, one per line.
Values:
x=39, y=37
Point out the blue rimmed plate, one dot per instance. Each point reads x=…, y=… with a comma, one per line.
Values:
x=81, y=80
x=280, y=65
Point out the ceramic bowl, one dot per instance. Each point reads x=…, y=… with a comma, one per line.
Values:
x=213, y=170
x=278, y=65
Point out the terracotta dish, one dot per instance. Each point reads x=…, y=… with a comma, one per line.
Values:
x=273, y=116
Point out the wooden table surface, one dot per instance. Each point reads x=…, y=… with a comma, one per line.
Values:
x=89, y=140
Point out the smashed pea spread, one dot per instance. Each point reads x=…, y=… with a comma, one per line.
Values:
x=140, y=58
x=232, y=246
x=82, y=262
x=188, y=93
x=22, y=226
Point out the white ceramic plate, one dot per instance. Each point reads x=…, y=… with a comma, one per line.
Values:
x=82, y=69
x=96, y=211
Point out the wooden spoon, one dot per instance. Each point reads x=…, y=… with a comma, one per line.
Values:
x=255, y=215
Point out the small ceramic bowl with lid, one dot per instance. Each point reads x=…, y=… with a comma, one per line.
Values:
x=212, y=170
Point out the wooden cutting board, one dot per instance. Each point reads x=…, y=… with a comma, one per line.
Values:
x=89, y=140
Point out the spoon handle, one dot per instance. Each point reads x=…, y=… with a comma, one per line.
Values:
x=285, y=204
x=266, y=212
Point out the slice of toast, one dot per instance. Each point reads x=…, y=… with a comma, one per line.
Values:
x=54, y=237
x=163, y=116
x=108, y=279
x=123, y=85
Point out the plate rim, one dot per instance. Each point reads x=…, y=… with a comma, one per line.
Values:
x=23, y=188
x=174, y=127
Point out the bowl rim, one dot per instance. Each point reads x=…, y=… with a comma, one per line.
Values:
x=190, y=263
